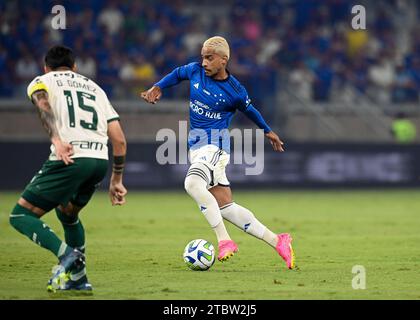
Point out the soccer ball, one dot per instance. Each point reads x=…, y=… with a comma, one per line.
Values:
x=199, y=255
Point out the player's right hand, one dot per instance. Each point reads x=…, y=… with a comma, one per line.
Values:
x=152, y=95
x=64, y=151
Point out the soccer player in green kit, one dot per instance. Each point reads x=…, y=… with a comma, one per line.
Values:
x=79, y=119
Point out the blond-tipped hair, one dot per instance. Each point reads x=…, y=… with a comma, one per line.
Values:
x=220, y=46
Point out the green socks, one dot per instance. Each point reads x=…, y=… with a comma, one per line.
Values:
x=74, y=234
x=29, y=224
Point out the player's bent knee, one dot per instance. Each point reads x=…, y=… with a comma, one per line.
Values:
x=70, y=210
x=198, y=177
x=223, y=200
x=193, y=184
x=14, y=216
x=66, y=217
x=23, y=203
x=66, y=210
x=19, y=212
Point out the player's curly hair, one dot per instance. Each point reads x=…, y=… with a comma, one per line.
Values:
x=220, y=46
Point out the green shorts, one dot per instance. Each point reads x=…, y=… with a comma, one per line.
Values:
x=57, y=183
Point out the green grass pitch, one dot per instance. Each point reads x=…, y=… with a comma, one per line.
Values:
x=135, y=251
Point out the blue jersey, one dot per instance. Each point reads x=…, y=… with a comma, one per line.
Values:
x=212, y=105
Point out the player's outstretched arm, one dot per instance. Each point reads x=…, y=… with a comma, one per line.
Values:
x=63, y=150
x=254, y=115
x=171, y=79
x=117, y=191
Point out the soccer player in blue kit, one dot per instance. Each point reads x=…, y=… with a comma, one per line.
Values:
x=215, y=95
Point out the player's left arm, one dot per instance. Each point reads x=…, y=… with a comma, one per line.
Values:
x=253, y=114
x=117, y=190
x=63, y=150
x=244, y=104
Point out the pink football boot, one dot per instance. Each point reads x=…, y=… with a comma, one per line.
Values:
x=285, y=250
x=227, y=248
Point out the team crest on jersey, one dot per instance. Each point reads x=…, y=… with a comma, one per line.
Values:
x=196, y=85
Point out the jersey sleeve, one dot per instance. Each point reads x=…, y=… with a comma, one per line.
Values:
x=243, y=101
x=37, y=84
x=185, y=72
x=244, y=104
x=110, y=113
x=177, y=75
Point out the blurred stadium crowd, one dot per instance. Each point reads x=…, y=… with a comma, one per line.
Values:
x=308, y=45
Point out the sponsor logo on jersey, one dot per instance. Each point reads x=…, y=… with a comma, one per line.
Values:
x=90, y=145
x=198, y=107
